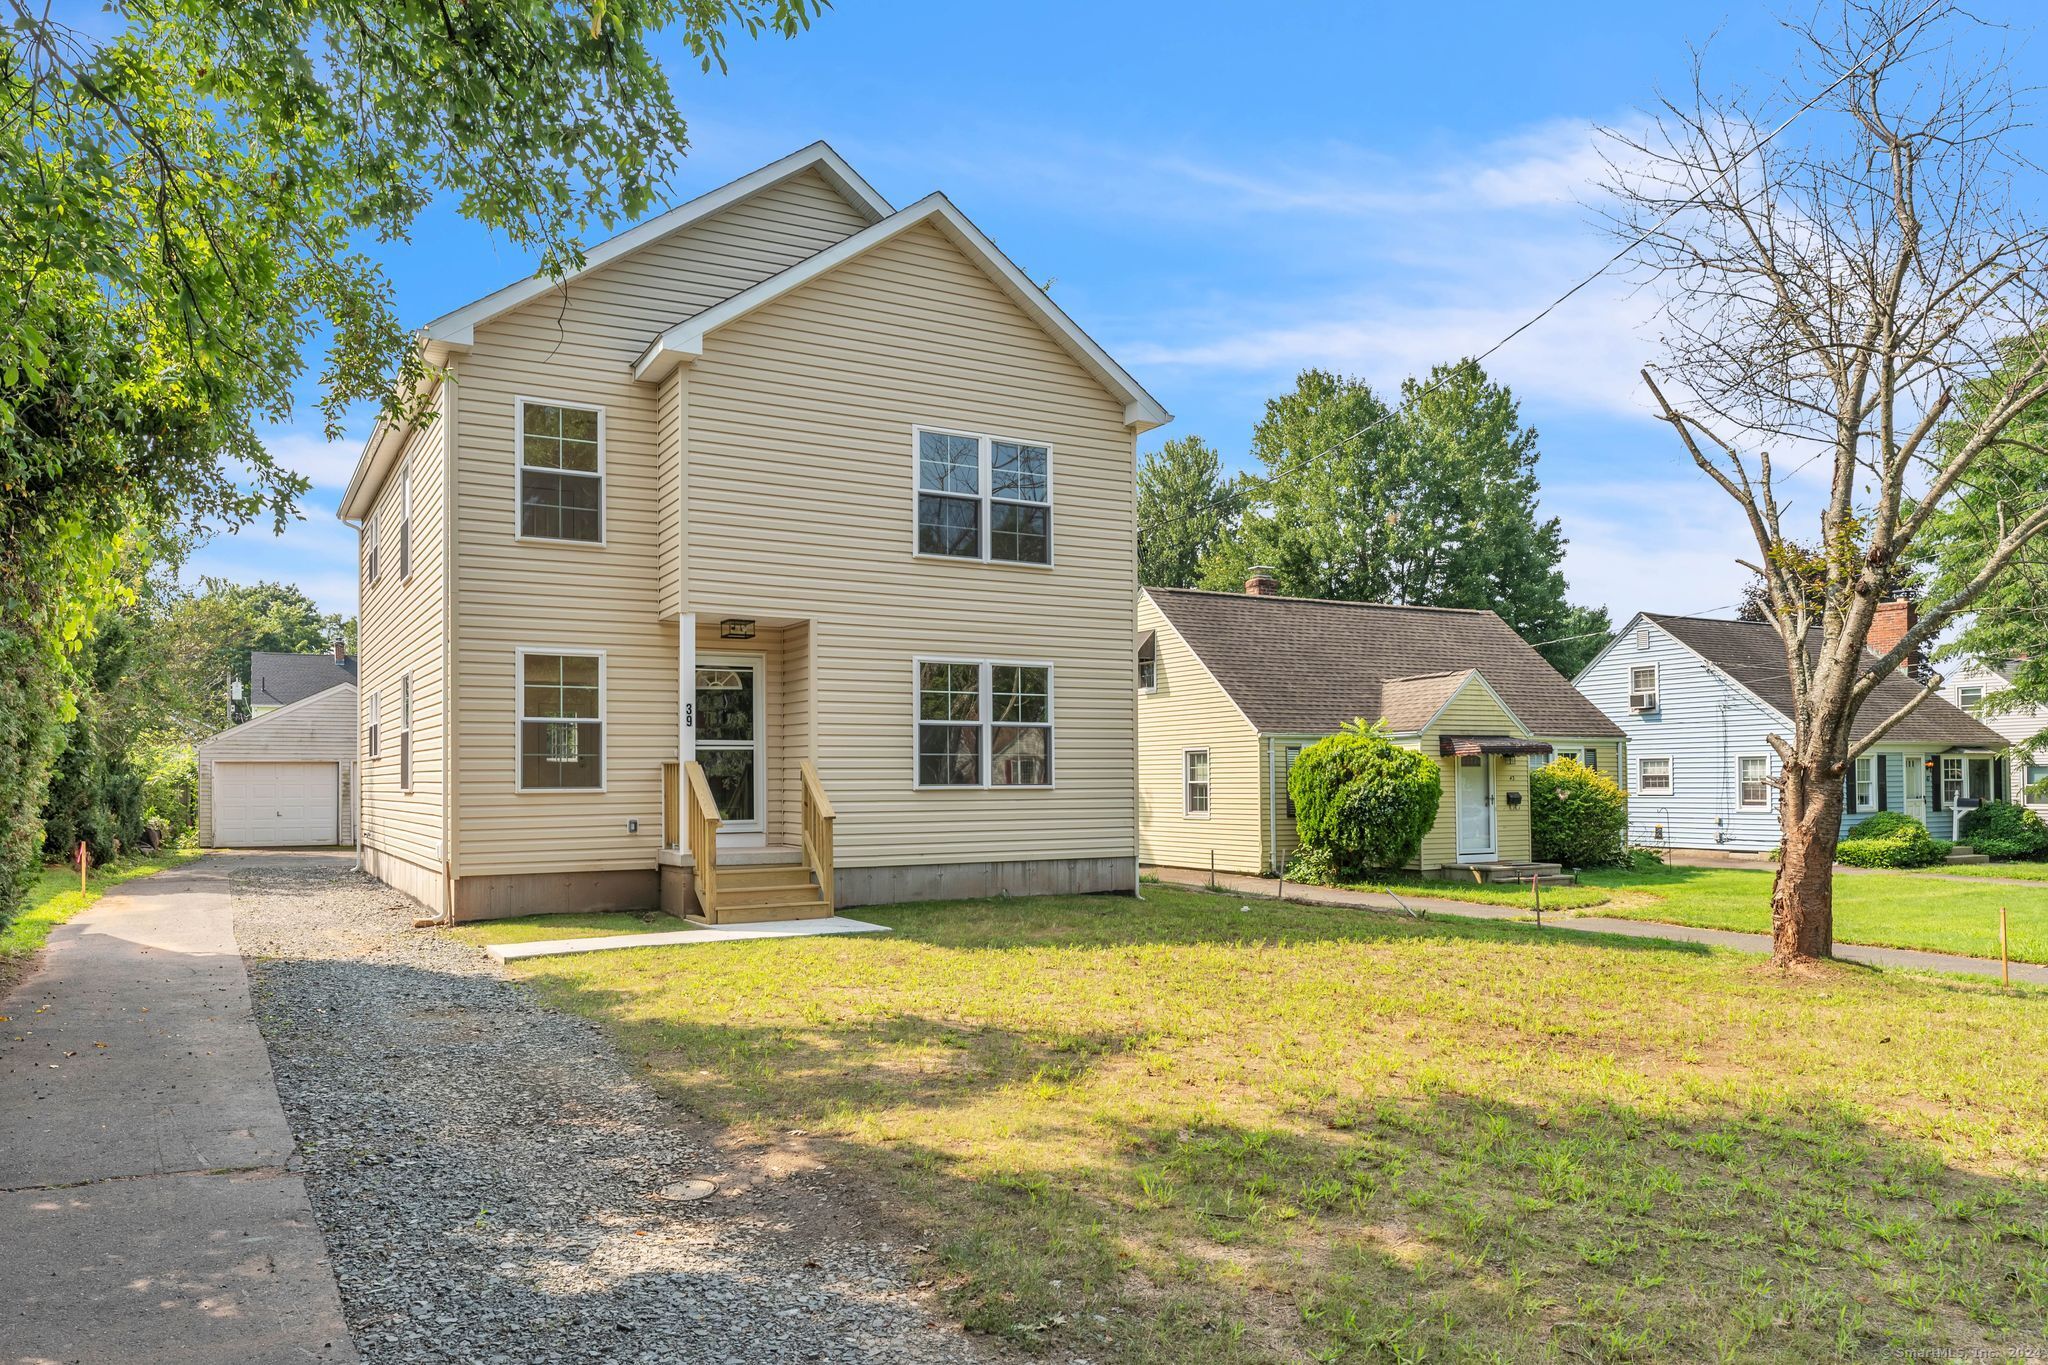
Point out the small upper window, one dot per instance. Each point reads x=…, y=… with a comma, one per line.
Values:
x=370, y=548
x=1642, y=688
x=405, y=521
x=372, y=727
x=980, y=497
x=1642, y=637
x=561, y=472
x=1969, y=697
x=1148, y=675
x=1653, y=776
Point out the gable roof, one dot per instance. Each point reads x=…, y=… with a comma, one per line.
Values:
x=277, y=717
x=684, y=342
x=277, y=679
x=1298, y=665
x=1751, y=653
x=458, y=328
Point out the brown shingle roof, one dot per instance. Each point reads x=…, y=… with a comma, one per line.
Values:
x=1751, y=653
x=1297, y=665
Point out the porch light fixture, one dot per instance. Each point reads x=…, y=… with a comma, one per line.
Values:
x=733, y=628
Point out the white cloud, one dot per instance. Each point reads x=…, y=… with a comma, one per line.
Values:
x=1663, y=542
x=327, y=463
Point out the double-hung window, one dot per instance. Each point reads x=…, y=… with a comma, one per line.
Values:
x=1863, y=796
x=561, y=721
x=1752, y=777
x=405, y=733
x=983, y=497
x=1642, y=688
x=983, y=724
x=370, y=549
x=1969, y=698
x=373, y=729
x=1194, y=783
x=1653, y=776
x=561, y=472
x=404, y=522
x=1951, y=781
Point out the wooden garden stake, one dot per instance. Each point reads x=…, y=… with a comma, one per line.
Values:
x=83, y=858
x=2004, y=963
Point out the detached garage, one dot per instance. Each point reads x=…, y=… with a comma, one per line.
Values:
x=286, y=778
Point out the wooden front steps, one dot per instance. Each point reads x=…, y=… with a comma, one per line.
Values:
x=750, y=885
x=1505, y=873
x=749, y=893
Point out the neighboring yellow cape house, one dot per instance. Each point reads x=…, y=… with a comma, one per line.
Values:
x=1232, y=686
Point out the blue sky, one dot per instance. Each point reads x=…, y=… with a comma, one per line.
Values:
x=1224, y=195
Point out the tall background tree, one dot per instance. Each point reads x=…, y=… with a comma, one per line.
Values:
x=188, y=203
x=1842, y=258
x=1431, y=501
x=1186, y=506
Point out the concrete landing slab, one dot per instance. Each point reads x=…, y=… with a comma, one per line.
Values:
x=791, y=928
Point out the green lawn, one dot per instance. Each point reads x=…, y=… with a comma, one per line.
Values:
x=1179, y=1129
x=54, y=897
x=1486, y=893
x=2026, y=872
x=1892, y=910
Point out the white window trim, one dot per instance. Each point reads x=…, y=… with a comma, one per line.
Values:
x=1965, y=702
x=406, y=755
x=987, y=724
x=1962, y=792
x=1208, y=785
x=373, y=565
x=987, y=498
x=373, y=732
x=1863, y=785
x=1152, y=688
x=1656, y=685
x=519, y=718
x=604, y=520
x=1764, y=759
x=1670, y=776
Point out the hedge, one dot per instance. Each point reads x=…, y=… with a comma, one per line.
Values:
x=2001, y=829
x=1890, y=839
x=1362, y=802
x=1577, y=815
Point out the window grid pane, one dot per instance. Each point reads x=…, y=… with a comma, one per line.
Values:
x=561, y=733
x=1020, y=534
x=948, y=526
x=1020, y=755
x=1017, y=472
x=949, y=692
x=948, y=464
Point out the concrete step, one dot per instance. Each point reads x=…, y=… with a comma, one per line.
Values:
x=1965, y=856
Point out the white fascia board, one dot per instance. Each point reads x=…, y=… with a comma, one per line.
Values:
x=684, y=343
x=459, y=327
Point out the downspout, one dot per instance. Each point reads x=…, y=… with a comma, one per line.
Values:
x=450, y=451
x=356, y=768
x=1272, y=808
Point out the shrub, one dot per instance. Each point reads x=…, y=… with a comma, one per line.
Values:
x=1886, y=824
x=1362, y=801
x=1577, y=815
x=2004, y=830
x=1312, y=866
x=1890, y=839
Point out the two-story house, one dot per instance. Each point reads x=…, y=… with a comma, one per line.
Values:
x=1699, y=698
x=781, y=558
x=1970, y=685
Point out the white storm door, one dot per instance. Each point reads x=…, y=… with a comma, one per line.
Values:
x=731, y=741
x=1916, y=788
x=1475, y=807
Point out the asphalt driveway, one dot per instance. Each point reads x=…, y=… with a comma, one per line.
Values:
x=147, y=1198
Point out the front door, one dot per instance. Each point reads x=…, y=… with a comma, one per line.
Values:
x=1916, y=788
x=730, y=738
x=1475, y=807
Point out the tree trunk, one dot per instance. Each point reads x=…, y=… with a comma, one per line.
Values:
x=1803, y=898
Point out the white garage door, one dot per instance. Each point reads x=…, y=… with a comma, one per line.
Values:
x=261, y=805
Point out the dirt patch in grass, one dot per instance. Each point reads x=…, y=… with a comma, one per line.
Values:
x=1181, y=1129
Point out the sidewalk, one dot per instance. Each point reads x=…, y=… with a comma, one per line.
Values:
x=145, y=1198
x=1570, y=922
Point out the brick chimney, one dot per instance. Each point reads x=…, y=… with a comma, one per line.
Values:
x=1888, y=627
x=340, y=650
x=1261, y=582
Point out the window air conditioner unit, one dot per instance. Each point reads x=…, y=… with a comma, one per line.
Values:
x=1642, y=701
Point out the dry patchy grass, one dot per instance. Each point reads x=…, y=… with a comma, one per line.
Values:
x=1173, y=1129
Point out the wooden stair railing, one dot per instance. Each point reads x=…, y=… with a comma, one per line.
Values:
x=672, y=805
x=703, y=826
x=818, y=817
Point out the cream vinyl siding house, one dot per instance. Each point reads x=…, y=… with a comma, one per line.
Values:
x=684, y=546
x=1250, y=680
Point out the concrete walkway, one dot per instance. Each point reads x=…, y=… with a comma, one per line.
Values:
x=1575, y=922
x=671, y=938
x=146, y=1201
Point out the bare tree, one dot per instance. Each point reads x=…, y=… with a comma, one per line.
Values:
x=1838, y=259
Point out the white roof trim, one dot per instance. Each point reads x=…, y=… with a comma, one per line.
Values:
x=459, y=327
x=684, y=343
x=289, y=708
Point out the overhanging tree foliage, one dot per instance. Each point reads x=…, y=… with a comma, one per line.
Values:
x=1432, y=504
x=1831, y=291
x=188, y=206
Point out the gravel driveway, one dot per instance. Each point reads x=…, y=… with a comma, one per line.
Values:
x=488, y=1173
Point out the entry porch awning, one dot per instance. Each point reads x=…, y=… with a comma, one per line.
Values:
x=1464, y=746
